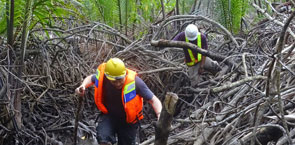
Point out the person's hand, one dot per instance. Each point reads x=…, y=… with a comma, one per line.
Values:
x=80, y=90
x=158, y=116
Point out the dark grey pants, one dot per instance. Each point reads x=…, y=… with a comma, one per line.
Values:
x=108, y=129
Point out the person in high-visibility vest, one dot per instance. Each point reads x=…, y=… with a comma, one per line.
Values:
x=196, y=62
x=119, y=95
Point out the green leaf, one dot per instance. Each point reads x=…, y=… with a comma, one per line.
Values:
x=230, y=13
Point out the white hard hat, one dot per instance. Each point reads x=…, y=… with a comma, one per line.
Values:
x=191, y=32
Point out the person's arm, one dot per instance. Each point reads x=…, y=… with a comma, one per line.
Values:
x=204, y=46
x=87, y=82
x=157, y=105
x=204, y=42
x=179, y=37
x=148, y=95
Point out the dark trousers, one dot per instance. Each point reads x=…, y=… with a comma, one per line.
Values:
x=108, y=128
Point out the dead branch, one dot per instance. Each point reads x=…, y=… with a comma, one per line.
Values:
x=238, y=83
x=163, y=126
x=169, y=43
x=197, y=18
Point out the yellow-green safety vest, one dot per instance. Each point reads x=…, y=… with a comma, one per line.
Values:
x=199, y=55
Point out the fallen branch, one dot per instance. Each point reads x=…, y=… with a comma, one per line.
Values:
x=196, y=17
x=237, y=83
x=193, y=47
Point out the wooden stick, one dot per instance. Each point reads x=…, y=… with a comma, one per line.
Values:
x=80, y=107
x=163, y=126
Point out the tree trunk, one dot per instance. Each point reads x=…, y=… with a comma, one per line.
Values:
x=177, y=13
x=11, y=80
x=10, y=22
x=120, y=15
x=163, y=126
x=163, y=10
x=18, y=85
x=126, y=18
x=194, y=6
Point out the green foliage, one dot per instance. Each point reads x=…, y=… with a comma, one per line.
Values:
x=237, y=11
x=185, y=6
x=223, y=11
x=231, y=12
x=130, y=11
x=109, y=11
x=2, y=17
x=146, y=10
x=101, y=10
x=91, y=9
x=44, y=13
x=133, y=13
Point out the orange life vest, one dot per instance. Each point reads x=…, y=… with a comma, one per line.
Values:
x=131, y=101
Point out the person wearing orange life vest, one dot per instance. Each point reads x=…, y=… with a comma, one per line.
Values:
x=119, y=95
x=195, y=61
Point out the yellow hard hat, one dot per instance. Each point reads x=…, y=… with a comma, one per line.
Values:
x=115, y=69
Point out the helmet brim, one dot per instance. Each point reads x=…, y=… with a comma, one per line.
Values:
x=113, y=78
x=192, y=38
x=110, y=78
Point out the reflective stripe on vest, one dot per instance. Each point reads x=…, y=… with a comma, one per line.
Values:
x=97, y=77
x=132, y=102
x=199, y=55
x=129, y=92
